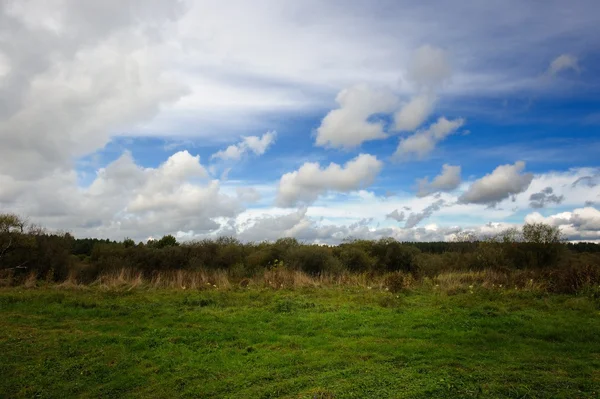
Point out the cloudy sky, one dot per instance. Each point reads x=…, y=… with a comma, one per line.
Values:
x=320, y=120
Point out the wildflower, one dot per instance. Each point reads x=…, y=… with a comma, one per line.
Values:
x=471, y=286
x=369, y=288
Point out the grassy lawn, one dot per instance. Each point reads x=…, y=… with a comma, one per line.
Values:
x=313, y=343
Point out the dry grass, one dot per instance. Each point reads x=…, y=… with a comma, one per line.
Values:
x=283, y=278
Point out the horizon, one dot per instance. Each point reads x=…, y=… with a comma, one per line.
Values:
x=315, y=120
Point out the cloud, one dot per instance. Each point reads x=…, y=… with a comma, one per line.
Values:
x=424, y=141
x=310, y=181
x=504, y=181
x=349, y=125
x=415, y=218
x=429, y=67
x=448, y=180
x=299, y=225
x=582, y=224
x=563, y=62
x=545, y=197
x=78, y=74
x=255, y=144
x=589, y=181
x=398, y=217
x=414, y=113
x=127, y=200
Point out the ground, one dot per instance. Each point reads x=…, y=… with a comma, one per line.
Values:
x=304, y=343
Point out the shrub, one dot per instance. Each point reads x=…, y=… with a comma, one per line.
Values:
x=355, y=259
x=395, y=282
x=312, y=259
x=394, y=256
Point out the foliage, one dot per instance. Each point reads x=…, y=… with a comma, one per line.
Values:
x=26, y=249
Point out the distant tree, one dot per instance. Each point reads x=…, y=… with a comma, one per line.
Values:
x=128, y=243
x=166, y=241
x=540, y=233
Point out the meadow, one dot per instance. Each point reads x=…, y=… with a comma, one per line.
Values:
x=516, y=315
x=453, y=337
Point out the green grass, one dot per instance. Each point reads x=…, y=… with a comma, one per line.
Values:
x=318, y=343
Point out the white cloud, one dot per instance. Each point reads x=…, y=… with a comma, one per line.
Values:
x=310, y=181
x=348, y=126
x=448, y=180
x=414, y=113
x=504, y=181
x=126, y=199
x=424, y=141
x=562, y=63
x=582, y=224
x=255, y=144
x=78, y=75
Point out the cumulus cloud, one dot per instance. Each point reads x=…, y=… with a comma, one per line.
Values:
x=428, y=70
x=310, y=181
x=504, y=181
x=416, y=218
x=562, y=63
x=545, y=197
x=77, y=75
x=255, y=144
x=395, y=215
x=414, y=113
x=126, y=199
x=448, y=180
x=424, y=141
x=350, y=125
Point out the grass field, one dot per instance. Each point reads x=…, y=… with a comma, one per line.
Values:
x=304, y=343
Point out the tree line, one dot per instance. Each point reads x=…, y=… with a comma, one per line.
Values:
x=27, y=248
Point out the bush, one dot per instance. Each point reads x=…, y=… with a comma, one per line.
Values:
x=312, y=259
x=394, y=256
x=395, y=282
x=355, y=259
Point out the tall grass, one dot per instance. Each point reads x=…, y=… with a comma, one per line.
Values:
x=570, y=281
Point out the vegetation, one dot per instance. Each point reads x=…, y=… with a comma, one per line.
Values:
x=514, y=315
x=27, y=250
x=344, y=342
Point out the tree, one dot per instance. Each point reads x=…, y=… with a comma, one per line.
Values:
x=540, y=233
x=166, y=241
x=13, y=239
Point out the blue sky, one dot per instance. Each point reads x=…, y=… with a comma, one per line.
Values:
x=317, y=120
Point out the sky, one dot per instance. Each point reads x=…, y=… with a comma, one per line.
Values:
x=319, y=120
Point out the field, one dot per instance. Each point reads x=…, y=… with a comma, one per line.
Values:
x=339, y=342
